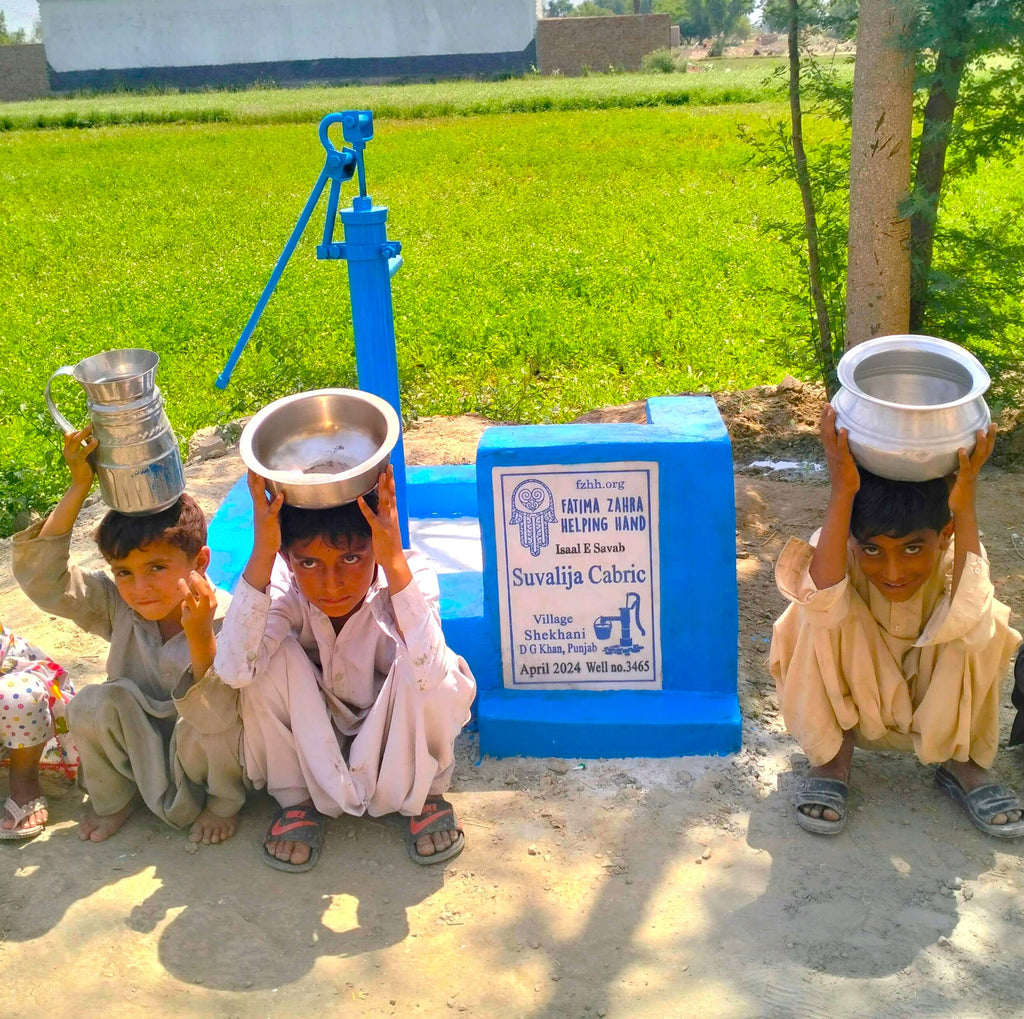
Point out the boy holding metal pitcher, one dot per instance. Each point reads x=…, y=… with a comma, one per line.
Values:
x=162, y=729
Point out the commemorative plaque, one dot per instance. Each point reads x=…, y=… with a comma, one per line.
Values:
x=578, y=576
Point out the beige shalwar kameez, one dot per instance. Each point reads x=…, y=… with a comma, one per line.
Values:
x=922, y=675
x=362, y=721
x=149, y=727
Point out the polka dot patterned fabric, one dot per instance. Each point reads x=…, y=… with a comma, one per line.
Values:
x=30, y=684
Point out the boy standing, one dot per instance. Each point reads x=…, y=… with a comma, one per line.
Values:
x=162, y=727
x=893, y=638
x=351, y=699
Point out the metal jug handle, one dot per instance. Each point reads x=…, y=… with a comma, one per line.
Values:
x=62, y=422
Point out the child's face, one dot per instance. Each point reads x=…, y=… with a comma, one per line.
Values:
x=335, y=580
x=898, y=567
x=147, y=578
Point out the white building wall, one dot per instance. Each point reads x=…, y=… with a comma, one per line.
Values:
x=89, y=34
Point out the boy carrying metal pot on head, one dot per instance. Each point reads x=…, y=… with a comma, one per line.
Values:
x=162, y=729
x=351, y=699
x=893, y=638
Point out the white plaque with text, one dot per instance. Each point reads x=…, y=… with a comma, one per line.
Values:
x=578, y=583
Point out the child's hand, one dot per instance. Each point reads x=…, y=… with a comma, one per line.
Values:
x=77, y=447
x=963, y=493
x=266, y=522
x=387, y=534
x=843, y=474
x=198, y=606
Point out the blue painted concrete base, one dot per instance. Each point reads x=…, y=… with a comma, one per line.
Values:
x=578, y=723
x=534, y=723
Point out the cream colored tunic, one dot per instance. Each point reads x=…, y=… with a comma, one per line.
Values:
x=360, y=721
x=149, y=726
x=922, y=675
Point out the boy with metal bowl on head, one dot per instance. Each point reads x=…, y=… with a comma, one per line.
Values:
x=893, y=638
x=351, y=699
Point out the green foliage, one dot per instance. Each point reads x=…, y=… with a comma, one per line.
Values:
x=541, y=279
x=658, y=62
x=829, y=168
x=589, y=9
x=9, y=38
x=558, y=9
x=737, y=81
x=707, y=19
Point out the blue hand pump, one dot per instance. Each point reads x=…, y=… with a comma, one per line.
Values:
x=372, y=261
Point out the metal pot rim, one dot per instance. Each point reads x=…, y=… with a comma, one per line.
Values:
x=296, y=479
x=855, y=356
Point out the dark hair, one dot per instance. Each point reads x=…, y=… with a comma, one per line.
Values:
x=181, y=525
x=896, y=508
x=334, y=524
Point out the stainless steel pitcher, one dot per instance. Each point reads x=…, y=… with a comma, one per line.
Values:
x=137, y=460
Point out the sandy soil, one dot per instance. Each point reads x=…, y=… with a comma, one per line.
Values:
x=626, y=888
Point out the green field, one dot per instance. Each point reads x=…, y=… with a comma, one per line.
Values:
x=554, y=262
x=719, y=81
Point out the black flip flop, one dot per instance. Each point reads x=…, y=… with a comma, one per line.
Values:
x=296, y=824
x=821, y=792
x=984, y=803
x=438, y=815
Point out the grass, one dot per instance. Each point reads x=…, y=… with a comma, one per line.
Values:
x=553, y=262
x=723, y=81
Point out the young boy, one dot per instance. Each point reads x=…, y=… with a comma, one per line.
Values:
x=162, y=727
x=893, y=638
x=351, y=700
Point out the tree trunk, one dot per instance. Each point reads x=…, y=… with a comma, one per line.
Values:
x=878, y=274
x=931, y=166
x=825, y=355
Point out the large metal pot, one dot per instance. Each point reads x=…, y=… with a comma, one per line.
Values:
x=321, y=448
x=909, y=403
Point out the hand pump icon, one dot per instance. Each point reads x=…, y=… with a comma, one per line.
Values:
x=603, y=627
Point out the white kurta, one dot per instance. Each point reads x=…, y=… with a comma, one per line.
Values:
x=360, y=722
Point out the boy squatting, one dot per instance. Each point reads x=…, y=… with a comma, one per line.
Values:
x=893, y=638
x=162, y=727
x=351, y=700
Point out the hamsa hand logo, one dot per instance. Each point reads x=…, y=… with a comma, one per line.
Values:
x=533, y=508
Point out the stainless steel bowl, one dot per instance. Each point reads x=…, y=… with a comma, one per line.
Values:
x=909, y=403
x=321, y=448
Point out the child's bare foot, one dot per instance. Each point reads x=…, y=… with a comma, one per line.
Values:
x=99, y=827
x=210, y=828
x=973, y=776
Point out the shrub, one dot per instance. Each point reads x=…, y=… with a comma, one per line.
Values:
x=658, y=62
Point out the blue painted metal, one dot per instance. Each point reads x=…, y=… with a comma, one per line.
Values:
x=372, y=261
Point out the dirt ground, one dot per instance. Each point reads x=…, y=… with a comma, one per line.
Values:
x=632, y=888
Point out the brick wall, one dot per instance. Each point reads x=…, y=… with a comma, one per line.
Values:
x=23, y=72
x=568, y=45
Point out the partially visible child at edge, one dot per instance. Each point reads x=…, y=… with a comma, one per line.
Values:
x=894, y=639
x=351, y=700
x=162, y=727
x=30, y=683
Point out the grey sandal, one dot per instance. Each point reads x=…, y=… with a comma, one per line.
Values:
x=983, y=803
x=821, y=792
